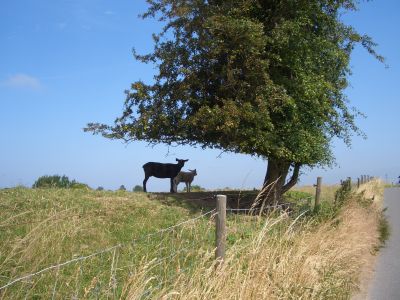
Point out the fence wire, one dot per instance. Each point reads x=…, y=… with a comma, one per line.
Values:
x=132, y=242
x=120, y=245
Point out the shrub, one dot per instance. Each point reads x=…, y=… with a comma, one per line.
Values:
x=100, y=188
x=197, y=188
x=326, y=211
x=79, y=185
x=55, y=181
x=122, y=188
x=138, y=188
x=343, y=192
x=194, y=188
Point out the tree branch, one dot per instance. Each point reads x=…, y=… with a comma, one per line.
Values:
x=293, y=179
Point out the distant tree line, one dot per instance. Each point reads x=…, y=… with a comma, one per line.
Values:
x=57, y=181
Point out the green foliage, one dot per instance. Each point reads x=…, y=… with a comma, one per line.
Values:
x=122, y=188
x=55, y=181
x=257, y=77
x=264, y=78
x=100, y=188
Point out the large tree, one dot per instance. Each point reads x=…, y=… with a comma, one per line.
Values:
x=260, y=77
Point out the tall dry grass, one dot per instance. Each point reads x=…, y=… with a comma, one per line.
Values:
x=286, y=259
x=373, y=191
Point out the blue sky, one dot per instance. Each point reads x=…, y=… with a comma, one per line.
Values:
x=66, y=63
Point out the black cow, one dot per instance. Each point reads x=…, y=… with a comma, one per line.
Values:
x=160, y=170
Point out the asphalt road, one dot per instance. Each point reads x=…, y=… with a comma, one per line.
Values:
x=386, y=283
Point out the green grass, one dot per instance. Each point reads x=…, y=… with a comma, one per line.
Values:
x=327, y=191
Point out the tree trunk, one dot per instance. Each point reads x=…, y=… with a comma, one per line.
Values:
x=275, y=184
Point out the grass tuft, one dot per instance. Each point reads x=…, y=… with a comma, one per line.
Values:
x=384, y=229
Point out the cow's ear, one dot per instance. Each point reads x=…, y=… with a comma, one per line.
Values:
x=176, y=159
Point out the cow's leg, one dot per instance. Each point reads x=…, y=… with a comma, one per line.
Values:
x=172, y=190
x=144, y=183
x=187, y=187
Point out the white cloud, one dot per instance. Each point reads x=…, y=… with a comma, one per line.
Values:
x=22, y=81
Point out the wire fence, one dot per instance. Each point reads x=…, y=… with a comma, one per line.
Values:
x=196, y=238
x=77, y=259
x=268, y=207
x=5, y=224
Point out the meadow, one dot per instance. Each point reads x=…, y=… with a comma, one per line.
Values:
x=85, y=244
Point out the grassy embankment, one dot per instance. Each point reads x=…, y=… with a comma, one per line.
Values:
x=280, y=257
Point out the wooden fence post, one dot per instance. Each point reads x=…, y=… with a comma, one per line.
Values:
x=220, y=222
x=317, y=193
x=349, y=183
x=358, y=182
